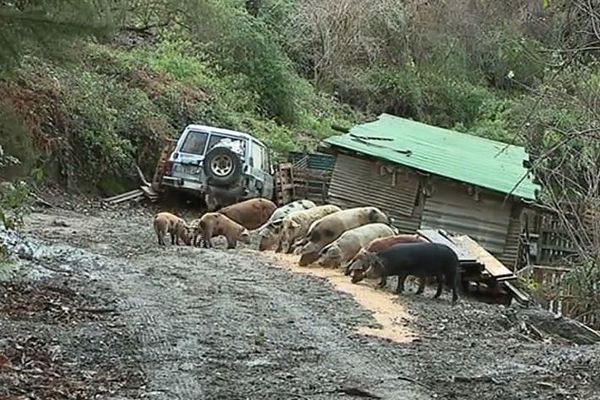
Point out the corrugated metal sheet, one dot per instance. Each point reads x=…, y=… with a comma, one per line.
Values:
x=451, y=208
x=319, y=161
x=358, y=182
x=464, y=158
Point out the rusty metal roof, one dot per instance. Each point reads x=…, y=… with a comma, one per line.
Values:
x=462, y=157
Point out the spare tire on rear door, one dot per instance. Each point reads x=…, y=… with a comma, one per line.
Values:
x=222, y=166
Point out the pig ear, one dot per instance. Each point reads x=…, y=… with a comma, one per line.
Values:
x=324, y=250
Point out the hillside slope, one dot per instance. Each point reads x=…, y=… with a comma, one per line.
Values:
x=284, y=70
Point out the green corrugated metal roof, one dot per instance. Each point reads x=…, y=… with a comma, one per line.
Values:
x=454, y=155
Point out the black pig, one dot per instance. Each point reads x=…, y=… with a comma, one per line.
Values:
x=416, y=259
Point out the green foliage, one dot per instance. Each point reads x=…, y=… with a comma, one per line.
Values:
x=49, y=27
x=16, y=147
x=243, y=45
x=528, y=284
x=116, y=105
x=424, y=95
x=477, y=67
x=13, y=202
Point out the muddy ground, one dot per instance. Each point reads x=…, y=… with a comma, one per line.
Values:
x=97, y=310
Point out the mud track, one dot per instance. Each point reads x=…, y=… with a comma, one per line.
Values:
x=217, y=324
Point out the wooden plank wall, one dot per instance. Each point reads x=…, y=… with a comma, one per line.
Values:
x=307, y=177
x=512, y=246
x=484, y=217
x=358, y=182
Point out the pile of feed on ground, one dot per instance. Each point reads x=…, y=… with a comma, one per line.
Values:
x=475, y=350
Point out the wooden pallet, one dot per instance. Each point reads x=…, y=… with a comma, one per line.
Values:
x=284, y=183
x=168, y=147
x=120, y=198
x=312, y=184
x=494, y=268
x=440, y=236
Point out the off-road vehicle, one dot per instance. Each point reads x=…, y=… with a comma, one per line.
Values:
x=220, y=165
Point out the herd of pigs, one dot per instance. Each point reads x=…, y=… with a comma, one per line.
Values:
x=359, y=240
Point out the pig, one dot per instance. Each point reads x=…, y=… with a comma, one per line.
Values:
x=196, y=231
x=417, y=259
x=165, y=222
x=296, y=224
x=330, y=227
x=269, y=236
x=216, y=197
x=269, y=232
x=351, y=242
x=287, y=209
x=251, y=214
x=215, y=224
x=376, y=245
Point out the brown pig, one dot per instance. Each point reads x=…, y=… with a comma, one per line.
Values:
x=216, y=224
x=251, y=214
x=165, y=222
x=375, y=246
x=351, y=242
x=295, y=225
x=330, y=227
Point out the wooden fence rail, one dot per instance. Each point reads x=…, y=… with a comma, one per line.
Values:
x=308, y=177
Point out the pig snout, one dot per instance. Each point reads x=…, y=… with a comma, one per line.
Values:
x=356, y=276
x=245, y=237
x=308, y=258
x=266, y=242
x=262, y=246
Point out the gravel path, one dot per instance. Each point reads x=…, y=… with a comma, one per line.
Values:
x=217, y=324
x=189, y=323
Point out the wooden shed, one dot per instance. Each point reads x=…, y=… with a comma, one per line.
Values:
x=427, y=177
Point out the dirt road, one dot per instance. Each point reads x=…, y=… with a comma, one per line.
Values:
x=119, y=317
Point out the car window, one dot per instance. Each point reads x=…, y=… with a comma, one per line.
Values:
x=265, y=158
x=232, y=142
x=257, y=156
x=194, y=142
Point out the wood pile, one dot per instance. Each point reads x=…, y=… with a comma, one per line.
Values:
x=478, y=267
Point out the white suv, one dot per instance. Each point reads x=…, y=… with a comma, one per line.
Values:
x=222, y=165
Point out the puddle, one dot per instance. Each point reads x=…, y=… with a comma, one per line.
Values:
x=392, y=317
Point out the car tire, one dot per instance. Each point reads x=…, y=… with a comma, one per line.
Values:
x=222, y=167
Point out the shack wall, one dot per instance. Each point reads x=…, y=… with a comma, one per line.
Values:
x=510, y=254
x=483, y=216
x=358, y=182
